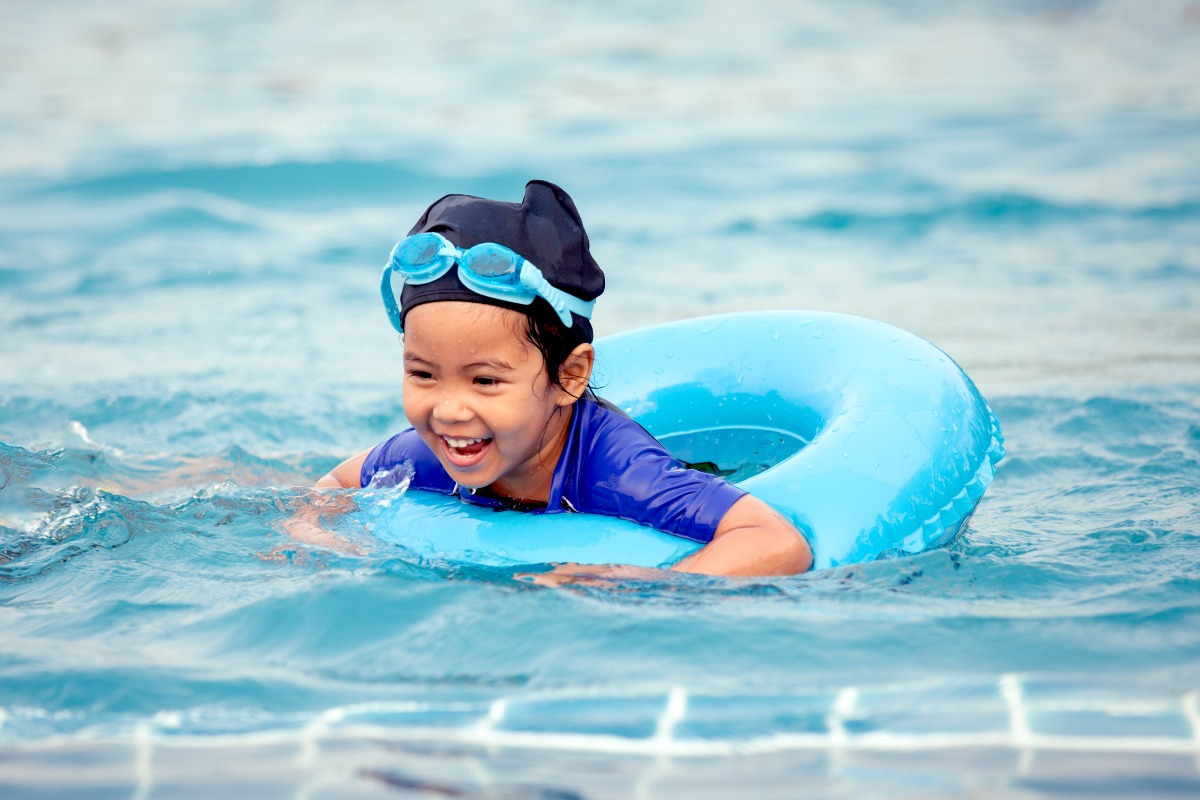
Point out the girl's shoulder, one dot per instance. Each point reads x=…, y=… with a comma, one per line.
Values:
x=620, y=469
x=605, y=425
x=607, y=405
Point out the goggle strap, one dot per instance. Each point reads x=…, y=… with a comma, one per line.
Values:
x=562, y=302
x=389, y=299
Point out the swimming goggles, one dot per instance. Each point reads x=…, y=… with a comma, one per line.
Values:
x=489, y=269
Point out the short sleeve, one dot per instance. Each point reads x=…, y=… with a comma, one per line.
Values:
x=626, y=473
x=409, y=450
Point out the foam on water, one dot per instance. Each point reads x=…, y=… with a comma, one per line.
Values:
x=197, y=200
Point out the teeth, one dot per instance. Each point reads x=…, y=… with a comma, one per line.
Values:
x=461, y=442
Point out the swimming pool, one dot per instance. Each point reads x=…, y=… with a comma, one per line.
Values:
x=195, y=205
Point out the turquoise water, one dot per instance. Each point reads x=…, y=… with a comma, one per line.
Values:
x=196, y=200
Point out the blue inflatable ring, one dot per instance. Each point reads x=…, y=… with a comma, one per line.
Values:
x=870, y=439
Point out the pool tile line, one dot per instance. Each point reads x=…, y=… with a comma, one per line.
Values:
x=835, y=725
x=319, y=728
x=881, y=742
x=485, y=728
x=495, y=725
x=836, y=741
x=1191, y=712
x=143, y=760
x=1018, y=722
x=672, y=714
x=166, y=728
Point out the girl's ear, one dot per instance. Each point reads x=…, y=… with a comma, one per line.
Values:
x=575, y=372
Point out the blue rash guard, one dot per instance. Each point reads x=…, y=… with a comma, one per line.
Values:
x=609, y=465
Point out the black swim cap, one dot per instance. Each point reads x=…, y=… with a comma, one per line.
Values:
x=544, y=228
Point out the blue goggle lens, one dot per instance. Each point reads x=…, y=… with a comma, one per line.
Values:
x=490, y=261
x=419, y=250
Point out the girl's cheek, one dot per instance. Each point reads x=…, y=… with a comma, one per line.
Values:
x=412, y=401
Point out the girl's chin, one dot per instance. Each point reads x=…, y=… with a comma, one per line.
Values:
x=469, y=479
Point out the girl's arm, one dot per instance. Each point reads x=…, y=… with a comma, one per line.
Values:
x=304, y=524
x=752, y=540
x=346, y=475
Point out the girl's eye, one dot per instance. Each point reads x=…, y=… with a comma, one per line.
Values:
x=484, y=381
x=420, y=374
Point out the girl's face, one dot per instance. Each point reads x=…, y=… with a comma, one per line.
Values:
x=477, y=393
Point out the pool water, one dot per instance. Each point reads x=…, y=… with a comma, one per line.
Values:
x=733, y=452
x=196, y=202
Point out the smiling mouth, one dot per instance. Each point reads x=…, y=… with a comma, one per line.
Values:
x=465, y=452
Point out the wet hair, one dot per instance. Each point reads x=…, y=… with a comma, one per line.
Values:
x=555, y=341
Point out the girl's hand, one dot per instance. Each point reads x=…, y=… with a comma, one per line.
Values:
x=753, y=540
x=306, y=524
x=609, y=575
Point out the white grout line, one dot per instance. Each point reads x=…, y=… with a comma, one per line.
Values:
x=662, y=745
x=143, y=760
x=496, y=713
x=663, y=742
x=312, y=733
x=782, y=743
x=843, y=707
x=485, y=729
x=1018, y=722
x=878, y=741
x=835, y=722
x=1191, y=712
x=310, y=752
x=671, y=716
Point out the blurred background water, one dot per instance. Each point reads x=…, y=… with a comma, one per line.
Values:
x=195, y=201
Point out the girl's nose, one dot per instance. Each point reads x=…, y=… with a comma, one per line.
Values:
x=451, y=408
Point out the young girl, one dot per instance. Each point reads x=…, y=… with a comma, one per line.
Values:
x=495, y=300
